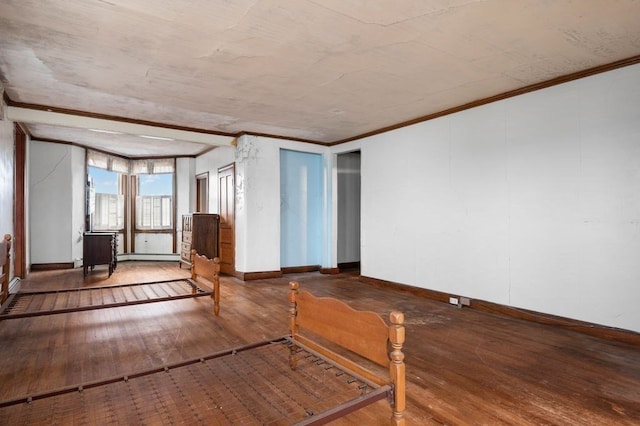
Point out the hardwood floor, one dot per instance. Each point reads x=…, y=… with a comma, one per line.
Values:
x=463, y=366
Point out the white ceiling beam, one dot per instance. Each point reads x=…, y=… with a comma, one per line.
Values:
x=34, y=116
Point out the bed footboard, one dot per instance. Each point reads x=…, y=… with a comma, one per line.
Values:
x=362, y=332
x=207, y=271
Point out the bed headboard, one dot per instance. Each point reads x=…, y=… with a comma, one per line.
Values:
x=207, y=270
x=362, y=332
x=5, y=267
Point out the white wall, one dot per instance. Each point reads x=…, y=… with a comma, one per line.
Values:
x=184, y=175
x=257, y=205
x=78, y=200
x=149, y=243
x=6, y=177
x=532, y=202
x=51, y=201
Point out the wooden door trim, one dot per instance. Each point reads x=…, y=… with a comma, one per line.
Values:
x=19, y=223
x=133, y=189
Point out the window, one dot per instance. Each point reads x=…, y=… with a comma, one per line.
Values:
x=154, y=202
x=124, y=193
x=106, y=200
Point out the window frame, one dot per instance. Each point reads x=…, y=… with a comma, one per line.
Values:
x=135, y=206
x=129, y=169
x=122, y=192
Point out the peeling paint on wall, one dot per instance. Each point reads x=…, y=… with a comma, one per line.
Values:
x=247, y=153
x=247, y=150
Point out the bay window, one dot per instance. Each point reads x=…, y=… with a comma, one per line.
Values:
x=134, y=197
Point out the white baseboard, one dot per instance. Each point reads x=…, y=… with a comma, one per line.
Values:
x=151, y=257
x=14, y=285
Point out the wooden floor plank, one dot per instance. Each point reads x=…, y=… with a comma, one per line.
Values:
x=60, y=300
x=107, y=295
x=151, y=293
x=74, y=298
x=118, y=295
x=37, y=303
x=164, y=290
x=463, y=366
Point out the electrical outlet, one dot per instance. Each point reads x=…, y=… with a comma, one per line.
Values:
x=453, y=300
x=465, y=301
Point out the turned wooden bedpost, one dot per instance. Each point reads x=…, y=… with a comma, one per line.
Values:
x=216, y=286
x=397, y=367
x=293, y=325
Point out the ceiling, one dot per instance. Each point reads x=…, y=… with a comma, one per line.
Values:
x=197, y=73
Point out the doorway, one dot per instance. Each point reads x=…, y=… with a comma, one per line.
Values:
x=349, y=210
x=202, y=193
x=301, y=209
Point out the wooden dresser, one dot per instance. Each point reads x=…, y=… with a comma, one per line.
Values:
x=100, y=248
x=199, y=232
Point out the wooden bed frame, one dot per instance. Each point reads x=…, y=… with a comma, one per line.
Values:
x=361, y=332
x=5, y=266
x=308, y=377
x=207, y=271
